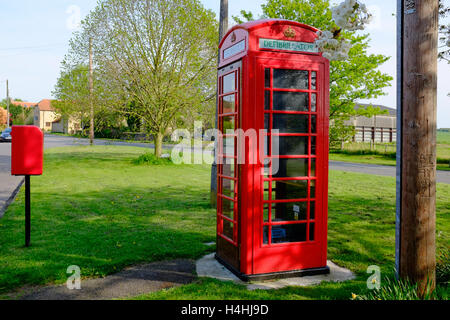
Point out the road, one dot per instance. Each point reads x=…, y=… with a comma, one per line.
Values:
x=9, y=184
x=441, y=177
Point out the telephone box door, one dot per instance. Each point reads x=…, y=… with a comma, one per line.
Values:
x=290, y=224
x=227, y=168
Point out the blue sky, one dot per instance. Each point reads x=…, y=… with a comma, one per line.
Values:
x=34, y=37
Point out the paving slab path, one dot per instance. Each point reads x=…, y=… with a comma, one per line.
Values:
x=130, y=282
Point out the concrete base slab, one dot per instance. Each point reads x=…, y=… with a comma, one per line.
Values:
x=208, y=266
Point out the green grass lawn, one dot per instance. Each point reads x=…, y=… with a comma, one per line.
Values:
x=384, y=154
x=378, y=159
x=94, y=208
x=443, y=137
x=363, y=158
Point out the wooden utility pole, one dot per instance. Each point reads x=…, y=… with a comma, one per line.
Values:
x=7, y=104
x=416, y=176
x=223, y=29
x=91, y=93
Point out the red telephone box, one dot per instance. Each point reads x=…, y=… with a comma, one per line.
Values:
x=272, y=213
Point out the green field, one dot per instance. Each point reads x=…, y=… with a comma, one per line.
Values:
x=384, y=154
x=443, y=136
x=96, y=209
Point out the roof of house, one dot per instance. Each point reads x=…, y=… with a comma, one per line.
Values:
x=23, y=103
x=45, y=105
x=392, y=111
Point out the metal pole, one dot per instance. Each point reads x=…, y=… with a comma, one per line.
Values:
x=27, y=211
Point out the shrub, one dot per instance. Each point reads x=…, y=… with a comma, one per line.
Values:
x=109, y=132
x=151, y=159
x=443, y=268
x=402, y=290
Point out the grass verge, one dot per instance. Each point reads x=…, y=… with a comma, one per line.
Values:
x=96, y=209
x=386, y=158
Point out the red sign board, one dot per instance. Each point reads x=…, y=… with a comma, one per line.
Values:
x=27, y=151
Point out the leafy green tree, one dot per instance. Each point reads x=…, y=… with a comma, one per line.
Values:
x=154, y=60
x=19, y=115
x=444, y=32
x=73, y=99
x=356, y=78
x=72, y=93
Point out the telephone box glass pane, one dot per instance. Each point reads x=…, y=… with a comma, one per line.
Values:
x=266, y=191
x=228, y=145
x=266, y=170
x=266, y=146
x=227, y=208
x=290, y=79
x=228, y=123
x=228, y=188
x=266, y=213
x=313, y=167
x=293, y=189
x=292, y=211
x=313, y=146
x=312, y=210
x=311, y=231
x=292, y=168
x=267, y=78
x=228, y=229
x=313, y=189
x=267, y=122
x=313, y=102
x=229, y=83
x=313, y=124
x=266, y=235
x=289, y=146
x=291, y=123
x=228, y=104
x=267, y=100
x=289, y=233
x=290, y=101
x=228, y=168
x=314, y=80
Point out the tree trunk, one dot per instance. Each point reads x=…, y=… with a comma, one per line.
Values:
x=91, y=92
x=158, y=144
